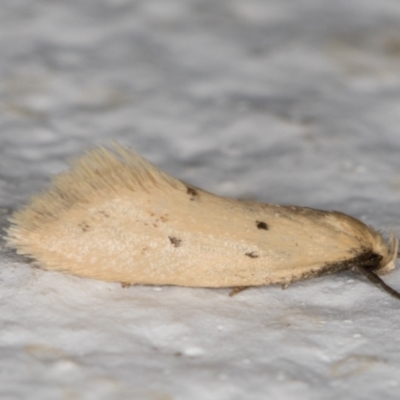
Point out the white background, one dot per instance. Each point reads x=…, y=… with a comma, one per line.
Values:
x=292, y=102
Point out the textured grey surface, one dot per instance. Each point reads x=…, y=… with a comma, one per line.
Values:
x=293, y=102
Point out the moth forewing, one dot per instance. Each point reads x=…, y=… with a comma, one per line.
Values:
x=115, y=216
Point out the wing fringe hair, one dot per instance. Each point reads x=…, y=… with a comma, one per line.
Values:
x=98, y=173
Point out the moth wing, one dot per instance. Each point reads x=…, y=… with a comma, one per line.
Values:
x=115, y=216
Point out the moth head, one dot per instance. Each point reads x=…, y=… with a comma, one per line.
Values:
x=380, y=262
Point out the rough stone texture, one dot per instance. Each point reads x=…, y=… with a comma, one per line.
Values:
x=293, y=102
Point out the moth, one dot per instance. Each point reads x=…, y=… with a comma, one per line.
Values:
x=115, y=216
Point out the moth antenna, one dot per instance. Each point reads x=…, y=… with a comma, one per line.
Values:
x=376, y=280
